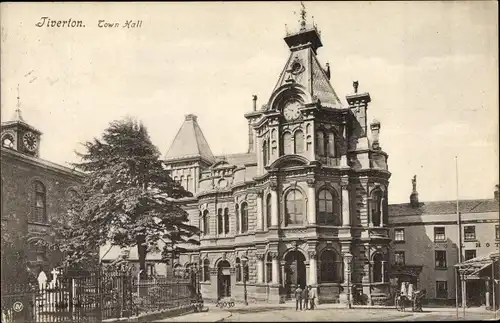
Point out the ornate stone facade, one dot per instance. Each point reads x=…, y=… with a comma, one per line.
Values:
x=311, y=188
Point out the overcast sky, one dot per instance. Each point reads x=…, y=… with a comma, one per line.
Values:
x=431, y=69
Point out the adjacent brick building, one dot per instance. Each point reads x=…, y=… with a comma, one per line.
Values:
x=311, y=188
x=33, y=189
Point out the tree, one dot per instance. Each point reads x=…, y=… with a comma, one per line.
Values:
x=127, y=198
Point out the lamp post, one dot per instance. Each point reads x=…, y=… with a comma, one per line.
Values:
x=348, y=258
x=244, y=261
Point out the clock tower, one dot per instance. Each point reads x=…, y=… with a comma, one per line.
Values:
x=20, y=136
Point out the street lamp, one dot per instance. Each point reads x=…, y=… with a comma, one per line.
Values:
x=244, y=261
x=348, y=258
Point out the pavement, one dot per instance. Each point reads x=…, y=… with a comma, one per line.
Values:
x=328, y=312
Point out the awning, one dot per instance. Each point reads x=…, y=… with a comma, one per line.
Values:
x=472, y=268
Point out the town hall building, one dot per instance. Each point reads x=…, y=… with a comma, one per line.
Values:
x=306, y=204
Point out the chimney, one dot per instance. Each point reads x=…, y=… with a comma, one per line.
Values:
x=414, y=193
x=254, y=98
x=250, y=126
x=375, y=128
x=495, y=194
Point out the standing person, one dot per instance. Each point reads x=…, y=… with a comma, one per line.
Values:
x=312, y=296
x=298, y=298
x=305, y=297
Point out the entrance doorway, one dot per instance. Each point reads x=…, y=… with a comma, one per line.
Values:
x=223, y=279
x=295, y=272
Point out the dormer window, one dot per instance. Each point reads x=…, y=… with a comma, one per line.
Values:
x=8, y=141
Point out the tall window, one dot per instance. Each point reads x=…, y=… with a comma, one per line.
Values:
x=399, y=258
x=294, y=205
x=330, y=267
x=39, y=212
x=439, y=234
x=375, y=207
x=226, y=220
x=268, y=210
x=287, y=143
x=244, y=217
x=274, y=148
x=238, y=270
x=441, y=289
x=237, y=214
x=328, y=208
x=377, y=268
x=265, y=155
x=299, y=141
x=189, y=183
x=320, y=143
x=220, y=220
x=469, y=233
x=470, y=254
x=440, y=259
x=246, y=275
x=399, y=235
x=331, y=145
x=206, y=270
x=206, y=223
x=497, y=232
x=269, y=269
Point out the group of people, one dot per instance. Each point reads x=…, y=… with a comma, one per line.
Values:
x=306, y=297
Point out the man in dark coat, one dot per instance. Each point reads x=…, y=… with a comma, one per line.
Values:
x=298, y=298
x=305, y=297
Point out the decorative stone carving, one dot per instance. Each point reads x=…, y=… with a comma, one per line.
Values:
x=273, y=254
x=312, y=254
x=273, y=185
x=311, y=182
x=260, y=256
x=259, y=193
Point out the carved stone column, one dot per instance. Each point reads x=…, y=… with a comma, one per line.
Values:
x=313, y=268
x=274, y=206
x=311, y=201
x=260, y=213
x=275, y=267
x=260, y=268
x=346, y=204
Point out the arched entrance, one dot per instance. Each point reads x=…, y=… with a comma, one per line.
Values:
x=223, y=279
x=295, y=272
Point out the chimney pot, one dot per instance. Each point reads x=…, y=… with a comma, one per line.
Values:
x=254, y=98
x=191, y=117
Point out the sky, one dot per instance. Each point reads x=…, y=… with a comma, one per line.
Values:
x=431, y=69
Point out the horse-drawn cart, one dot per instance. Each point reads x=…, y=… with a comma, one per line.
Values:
x=406, y=297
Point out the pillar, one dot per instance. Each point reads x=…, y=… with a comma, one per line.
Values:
x=313, y=269
x=274, y=206
x=260, y=268
x=487, y=294
x=260, y=213
x=382, y=212
x=343, y=157
x=346, y=203
x=275, y=268
x=311, y=202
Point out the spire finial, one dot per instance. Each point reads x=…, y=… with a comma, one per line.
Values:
x=17, y=115
x=303, y=15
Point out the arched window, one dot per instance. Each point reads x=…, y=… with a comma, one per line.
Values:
x=206, y=223
x=39, y=212
x=237, y=269
x=265, y=156
x=328, y=208
x=244, y=217
x=294, y=205
x=176, y=179
x=330, y=267
x=287, y=143
x=206, y=270
x=331, y=145
x=268, y=210
x=181, y=181
x=226, y=220
x=269, y=268
x=320, y=143
x=220, y=220
x=8, y=141
x=237, y=214
x=375, y=207
x=299, y=141
x=377, y=268
x=274, y=148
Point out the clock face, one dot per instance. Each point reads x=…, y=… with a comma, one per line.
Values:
x=291, y=110
x=30, y=142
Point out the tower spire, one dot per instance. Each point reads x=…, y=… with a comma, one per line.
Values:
x=17, y=113
x=303, y=15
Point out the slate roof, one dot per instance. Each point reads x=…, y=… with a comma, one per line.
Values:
x=240, y=159
x=189, y=142
x=313, y=78
x=445, y=207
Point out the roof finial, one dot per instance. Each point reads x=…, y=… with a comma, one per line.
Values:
x=303, y=14
x=17, y=115
x=355, y=85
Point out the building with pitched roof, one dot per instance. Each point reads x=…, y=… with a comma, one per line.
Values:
x=311, y=188
x=426, y=237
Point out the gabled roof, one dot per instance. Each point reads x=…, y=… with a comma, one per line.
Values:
x=445, y=207
x=190, y=142
x=311, y=76
x=241, y=159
